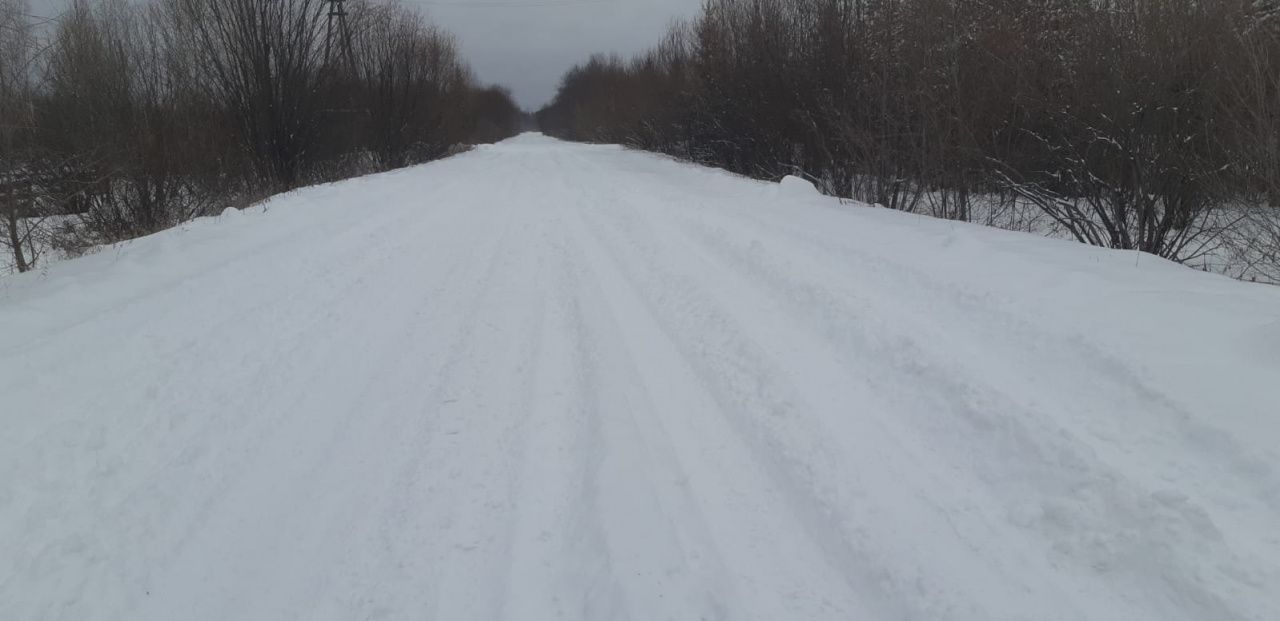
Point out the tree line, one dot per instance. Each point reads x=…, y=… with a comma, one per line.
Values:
x=119, y=119
x=1151, y=125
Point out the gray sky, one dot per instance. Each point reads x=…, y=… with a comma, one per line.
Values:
x=527, y=45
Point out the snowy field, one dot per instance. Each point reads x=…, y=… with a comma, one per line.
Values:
x=550, y=381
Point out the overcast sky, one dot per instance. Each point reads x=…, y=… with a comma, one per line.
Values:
x=527, y=44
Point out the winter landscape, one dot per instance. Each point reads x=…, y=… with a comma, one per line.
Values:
x=803, y=309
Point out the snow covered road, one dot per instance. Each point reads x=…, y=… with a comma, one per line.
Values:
x=552, y=381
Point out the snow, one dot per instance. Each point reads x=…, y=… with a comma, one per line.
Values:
x=794, y=187
x=552, y=381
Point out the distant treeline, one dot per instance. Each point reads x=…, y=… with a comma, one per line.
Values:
x=136, y=116
x=1137, y=124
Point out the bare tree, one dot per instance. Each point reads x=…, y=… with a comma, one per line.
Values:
x=265, y=65
x=410, y=84
x=19, y=222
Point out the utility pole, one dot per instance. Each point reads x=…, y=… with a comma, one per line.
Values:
x=336, y=27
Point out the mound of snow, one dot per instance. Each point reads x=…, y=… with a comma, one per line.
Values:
x=792, y=186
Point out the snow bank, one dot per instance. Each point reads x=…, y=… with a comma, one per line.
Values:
x=797, y=188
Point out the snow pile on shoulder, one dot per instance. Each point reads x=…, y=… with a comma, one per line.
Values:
x=795, y=187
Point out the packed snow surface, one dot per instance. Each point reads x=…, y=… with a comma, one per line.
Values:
x=552, y=381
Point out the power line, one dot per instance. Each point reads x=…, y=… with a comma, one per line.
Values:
x=41, y=20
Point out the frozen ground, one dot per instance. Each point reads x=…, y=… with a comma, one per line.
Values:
x=550, y=381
